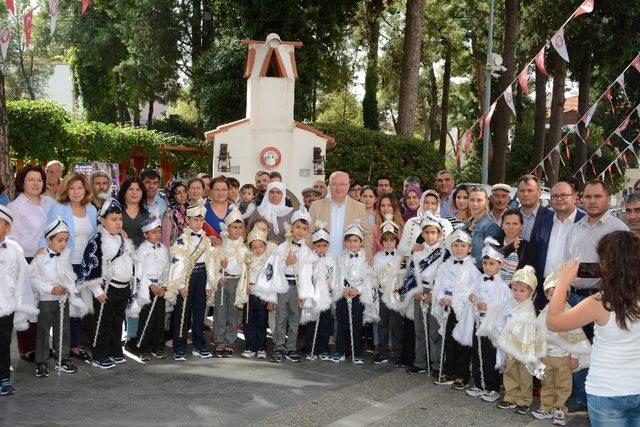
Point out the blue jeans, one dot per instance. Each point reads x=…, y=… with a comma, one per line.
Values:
x=578, y=392
x=619, y=411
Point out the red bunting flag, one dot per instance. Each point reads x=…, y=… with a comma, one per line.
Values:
x=11, y=6
x=608, y=142
x=539, y=60
x=480, y=125
x=523, y=81
x=593, y=167
x=508, y=98
x=28, y=20
x=85, y=5
x=636, y=63
x=622, y=127
x=607, y=94
x=610, y=173
x=4, y=41
x=566, y=146
x=467, y=142
x=585, y=7
x=560, y=44
x=487, y=120
x=624, y=157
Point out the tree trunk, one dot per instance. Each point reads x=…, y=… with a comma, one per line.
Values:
x=557, y=113
x=410, y=68
x=6, y=172
x=478, y=64
x=502, y=117
x=446, y=83
x=584, y=81
x=540, y=119
x=150, y=112
x=370, y=114
x=120, y=104
x=196, y=30
x=433, y=114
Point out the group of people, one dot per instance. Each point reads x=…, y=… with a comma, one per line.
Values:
x=479, y=290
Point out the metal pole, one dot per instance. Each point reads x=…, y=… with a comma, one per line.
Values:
x=486, y=135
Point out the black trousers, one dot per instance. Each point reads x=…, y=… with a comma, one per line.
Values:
x=408, y=351
x=6, y=330
x=492, y=378
x=325, y=330
x=343, y=340
x=255, y=329
x=153, y=340
x=194, y=313
x=109, y=332
x=457, y=357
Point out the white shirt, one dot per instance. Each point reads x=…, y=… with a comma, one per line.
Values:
x=582, y=242
x=47, y=271
x=83, y=231
x=29, y=222
x=555, y=250
x=123, y=265
x=337, y=228
x=158, y=206
x=233, y=251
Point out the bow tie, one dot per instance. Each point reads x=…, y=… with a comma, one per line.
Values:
x=455, y=261
x=387, y=253
x=322, y=256
x=296, y=244
x=353, y=255
x=195, y=234
x=157, y=245
x=488, y=278
x=3, y=245
x=52, y=254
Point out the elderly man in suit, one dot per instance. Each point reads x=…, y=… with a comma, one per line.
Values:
x=338, y=210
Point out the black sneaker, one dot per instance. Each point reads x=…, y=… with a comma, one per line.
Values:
x=379, y=359
x=292, y=356
x=6, y=389
x=503, y=404
x=575, y=406
x=416, y=370
x=67, y=367
x=460, y=384
x=42, y=370
x=522, y=409
x=277, y=357
x=398, y=363
x=443, y=380
x=82, y=355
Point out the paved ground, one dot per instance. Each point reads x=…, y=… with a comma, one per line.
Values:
x=240, y=392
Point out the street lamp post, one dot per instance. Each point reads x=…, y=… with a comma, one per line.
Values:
x=486, y=136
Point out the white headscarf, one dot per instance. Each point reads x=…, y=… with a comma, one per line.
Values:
x=270, y=211
x=421, y=211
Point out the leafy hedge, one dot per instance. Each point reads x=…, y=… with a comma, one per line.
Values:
x=43, y=130
x=367, y=154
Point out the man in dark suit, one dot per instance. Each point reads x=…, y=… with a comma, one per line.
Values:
x=551, y=231
x=529, y=192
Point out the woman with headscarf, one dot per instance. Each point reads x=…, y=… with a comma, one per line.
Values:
x=273, y=209
x=412, y=195
x=174, y=219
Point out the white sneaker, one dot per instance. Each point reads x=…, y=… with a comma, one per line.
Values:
x=474, y=391
x=248, y=354
x=542, y=415
x=490, y=396
x=262, y=354
x=558, y=417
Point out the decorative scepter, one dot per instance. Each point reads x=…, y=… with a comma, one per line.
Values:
x=424, y=308
x=146, y=324
x=62, y=300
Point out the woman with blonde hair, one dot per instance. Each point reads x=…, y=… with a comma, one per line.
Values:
x=75, y=208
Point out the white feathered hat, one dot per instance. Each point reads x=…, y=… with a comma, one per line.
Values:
x=492, y=249
x=354, y=229
x=320, y=232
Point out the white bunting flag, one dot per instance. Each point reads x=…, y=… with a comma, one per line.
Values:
x=620, y=81
x=4, y=41
x=508, y=98
x=53, y=12
x=598, y=152
x=560, y=44
x=587, y=117
x=622, y=127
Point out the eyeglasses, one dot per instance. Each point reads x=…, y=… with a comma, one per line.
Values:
x=563, y=196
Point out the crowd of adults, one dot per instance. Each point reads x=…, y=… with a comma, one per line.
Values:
x=544, y=237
